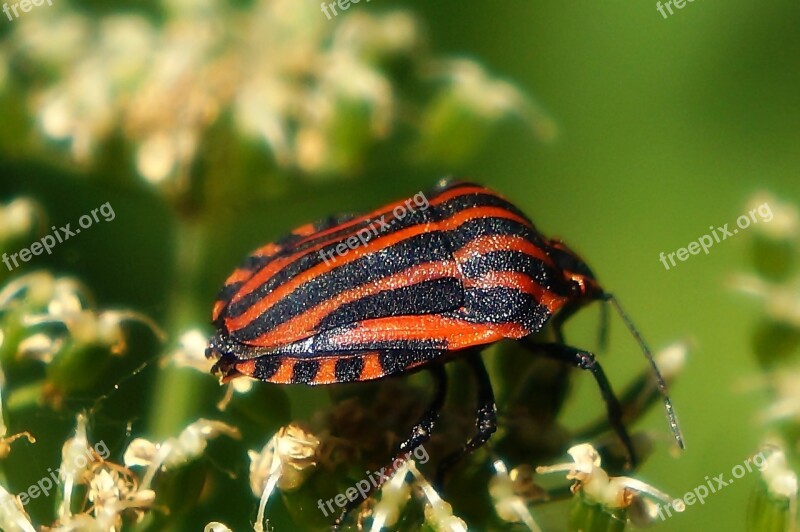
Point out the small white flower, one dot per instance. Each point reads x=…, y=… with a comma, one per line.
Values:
x=438, y=512
x=175, y=452
x=285, y=461
x=782, y=219
x=12, y=514
x=74, y=465
x=112, y=491
x=778, y=476
x=395, y=494
x=493, y=99
x=781, y=301
x=57, y=309
x=295, y=448
x=598, y=487
x=510, y=507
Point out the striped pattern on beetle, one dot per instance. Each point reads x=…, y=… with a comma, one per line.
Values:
x=469, y=269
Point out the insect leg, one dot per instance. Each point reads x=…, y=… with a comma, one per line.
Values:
x=560, y=318
x=420, y=433
x=585, y=360
x=486, y=419
x=567, y=312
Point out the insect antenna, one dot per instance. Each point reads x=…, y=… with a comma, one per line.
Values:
x=662, y=385
x=602, y=333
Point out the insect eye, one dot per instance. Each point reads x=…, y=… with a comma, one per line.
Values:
x=577, y=286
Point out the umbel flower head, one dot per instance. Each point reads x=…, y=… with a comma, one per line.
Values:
x=317, y=95
x=51, y=320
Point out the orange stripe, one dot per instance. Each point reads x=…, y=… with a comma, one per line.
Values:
x=285, y=371
x=268, y=250
x=239, y=274
x=327, y=371
x=218, y=306
x=472, y=213
x=303, y=325
x=384, y=211
x=304, y=230
x=275, y=266
x=457, y=333
x=486, y=244
x=372, y=368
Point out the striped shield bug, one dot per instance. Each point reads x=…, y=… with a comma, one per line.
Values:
x=407, y=287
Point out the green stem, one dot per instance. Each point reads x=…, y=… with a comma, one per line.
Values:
x=25, y=397
x=176, y=390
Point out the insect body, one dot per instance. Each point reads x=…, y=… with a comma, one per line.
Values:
x=402, y=288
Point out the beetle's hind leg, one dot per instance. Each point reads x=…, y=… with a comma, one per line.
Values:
x=586, y=360
x=420, y=433
x=486, y=419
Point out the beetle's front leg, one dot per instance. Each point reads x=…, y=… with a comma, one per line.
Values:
x=420, y=433
x=585, y=360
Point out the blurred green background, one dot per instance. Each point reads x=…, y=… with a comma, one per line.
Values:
x=665, y=127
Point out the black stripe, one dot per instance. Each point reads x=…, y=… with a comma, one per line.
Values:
x=228, y=291
x=428, y=297
x=504, y=305
x=266, y=366
x=348, y=369
x=475, y=199
x=477, y=227
x=372, y=224
x=568, y=261
x=396, y=360
x=305, y=371
x=329, y=342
